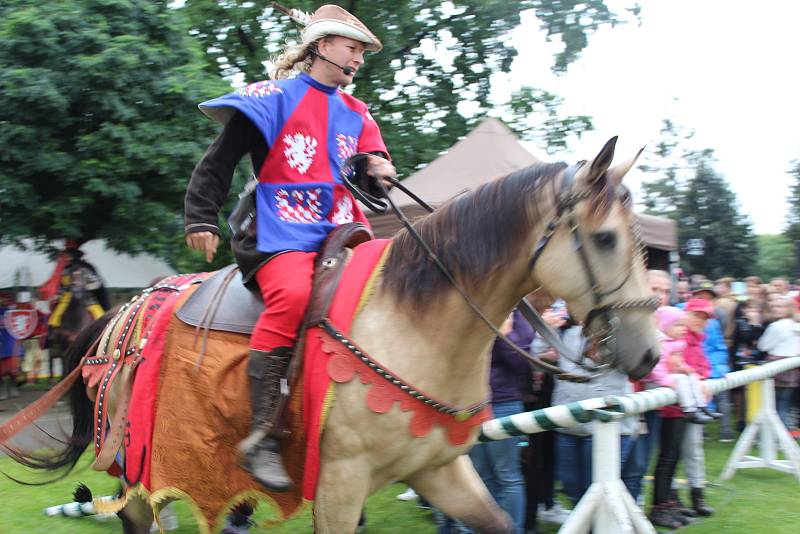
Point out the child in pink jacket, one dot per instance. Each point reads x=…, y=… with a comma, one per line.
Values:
x=673, y=371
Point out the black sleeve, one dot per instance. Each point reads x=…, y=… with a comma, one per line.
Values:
x=211, y=179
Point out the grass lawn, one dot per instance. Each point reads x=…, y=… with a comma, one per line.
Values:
x=754, y=501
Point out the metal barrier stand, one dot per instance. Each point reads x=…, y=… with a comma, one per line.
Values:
x=773, y=436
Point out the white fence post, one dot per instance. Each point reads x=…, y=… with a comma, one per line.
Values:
x=773, y=436
x=606, y=507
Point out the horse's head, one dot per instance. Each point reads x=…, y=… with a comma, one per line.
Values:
x=592, y=256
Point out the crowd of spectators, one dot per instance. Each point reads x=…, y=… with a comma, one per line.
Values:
x=709, y=328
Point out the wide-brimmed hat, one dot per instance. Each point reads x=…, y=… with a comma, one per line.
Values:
x=700, y=305
x=704, y=285
x=331, y=20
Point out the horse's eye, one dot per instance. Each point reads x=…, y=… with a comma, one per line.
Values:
x=605, y=240
x=626, y=198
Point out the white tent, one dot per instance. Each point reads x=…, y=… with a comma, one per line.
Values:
x=19, y=267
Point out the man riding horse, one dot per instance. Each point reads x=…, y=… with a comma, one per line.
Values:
x=77, y=280
x=298, y=132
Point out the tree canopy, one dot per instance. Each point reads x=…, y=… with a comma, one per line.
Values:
x=792, y=231
x=709, y=210
x=686, y=188
x=776, y=257
x=100, y=128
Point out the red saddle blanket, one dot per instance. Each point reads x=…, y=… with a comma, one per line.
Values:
x=355, y=287
x=188, y=415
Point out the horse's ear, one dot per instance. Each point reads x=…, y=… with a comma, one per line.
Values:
x=602, y=161
x=618, y=171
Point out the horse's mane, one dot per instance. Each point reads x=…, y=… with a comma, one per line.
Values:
x=473, y=235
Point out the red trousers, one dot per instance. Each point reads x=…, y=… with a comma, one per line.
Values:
x=285, y=285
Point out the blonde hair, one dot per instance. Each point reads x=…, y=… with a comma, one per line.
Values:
x=294, y=59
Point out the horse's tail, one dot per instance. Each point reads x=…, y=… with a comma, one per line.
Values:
x=80, y=406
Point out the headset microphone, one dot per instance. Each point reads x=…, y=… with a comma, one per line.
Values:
x=346, y=70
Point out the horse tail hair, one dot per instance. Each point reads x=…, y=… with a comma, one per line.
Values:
x=81, y=408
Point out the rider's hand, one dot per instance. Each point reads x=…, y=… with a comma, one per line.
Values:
x=204, y=242
x=381, y=168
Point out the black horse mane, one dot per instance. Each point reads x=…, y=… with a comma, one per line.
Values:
x=473, y=235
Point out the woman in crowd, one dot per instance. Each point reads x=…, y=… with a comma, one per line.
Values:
x=780, y=340
x=747, y=329
x=539, y=457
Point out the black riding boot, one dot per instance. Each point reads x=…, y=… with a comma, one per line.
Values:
x=259, y=452
x=699, y=503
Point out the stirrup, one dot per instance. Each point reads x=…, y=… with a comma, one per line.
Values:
x=265, y=464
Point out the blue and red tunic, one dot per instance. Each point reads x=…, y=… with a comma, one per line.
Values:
x=310, y=129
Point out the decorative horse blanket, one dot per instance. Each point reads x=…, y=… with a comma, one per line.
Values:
x=184, y=445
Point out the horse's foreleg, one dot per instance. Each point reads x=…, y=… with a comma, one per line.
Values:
x=341, y=494
x=458, y=491
x=137, y=517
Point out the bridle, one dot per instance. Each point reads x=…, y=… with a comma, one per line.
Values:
x=566, y=200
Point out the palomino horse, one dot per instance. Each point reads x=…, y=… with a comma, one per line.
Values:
x=499, y=246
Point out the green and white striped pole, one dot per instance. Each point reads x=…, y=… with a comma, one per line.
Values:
x=567, y=415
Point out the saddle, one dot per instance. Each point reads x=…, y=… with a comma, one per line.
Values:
x=225, y=304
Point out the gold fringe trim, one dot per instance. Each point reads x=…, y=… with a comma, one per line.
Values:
x=105, y=506
x=330, y=397
x=160, y=498
x=372, y=281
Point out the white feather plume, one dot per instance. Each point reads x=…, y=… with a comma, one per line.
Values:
x=300, y=17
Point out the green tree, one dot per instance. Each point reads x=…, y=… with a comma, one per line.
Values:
x=99, y=124
x=709, y=210
x=792, y=231
x=437, y=60
x=534, y=115
x=663, y=194
x=775, y=257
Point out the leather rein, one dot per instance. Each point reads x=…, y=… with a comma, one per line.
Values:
x=566, y=201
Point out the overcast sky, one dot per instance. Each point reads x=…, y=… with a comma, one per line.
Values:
x=727, y=69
